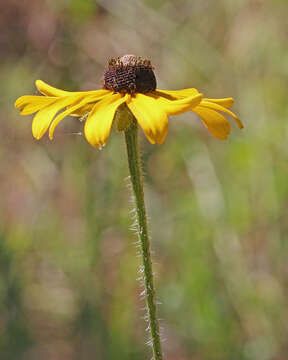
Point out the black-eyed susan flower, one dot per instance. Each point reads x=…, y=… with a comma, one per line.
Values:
x=129, y=84
x=128, y=81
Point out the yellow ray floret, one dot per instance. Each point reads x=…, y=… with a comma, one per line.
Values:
x=151, y=111
x=99, y=122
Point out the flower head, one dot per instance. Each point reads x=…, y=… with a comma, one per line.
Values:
x=128, y=81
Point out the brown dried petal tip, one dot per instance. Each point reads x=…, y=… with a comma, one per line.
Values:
x=129, y=74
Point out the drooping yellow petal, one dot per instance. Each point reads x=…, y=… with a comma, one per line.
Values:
x=226, y=102
x=49, y=90
x=70, y=109
x=216, y=123
x=150, y=116
x=98, y=124
x=36, y=103
x=31, y=99
x=175, y=107
x=217, y=107
x=44, y=117
x=178, y=94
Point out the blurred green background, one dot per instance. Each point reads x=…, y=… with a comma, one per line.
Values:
x=218, y=210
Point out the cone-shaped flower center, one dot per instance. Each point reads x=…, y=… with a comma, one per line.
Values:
x=129, y=74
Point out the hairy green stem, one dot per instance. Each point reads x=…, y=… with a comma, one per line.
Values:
x=131, y=136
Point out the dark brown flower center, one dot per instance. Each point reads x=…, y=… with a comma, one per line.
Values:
x=129, y=74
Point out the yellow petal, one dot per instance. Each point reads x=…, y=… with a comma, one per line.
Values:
x=44, y=117
x=98, y=124
x=216, y=123
x=37, y=105
x=52, y=91
x=178, y=94
x=226, y=102
x=68, y=111
x=31, y=99
x=49, y=90
x=151, y=117
x=214, y=106
x=175, y=107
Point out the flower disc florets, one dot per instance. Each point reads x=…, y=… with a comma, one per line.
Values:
x=129, y=74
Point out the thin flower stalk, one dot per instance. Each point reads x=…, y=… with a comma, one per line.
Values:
x=131, y=137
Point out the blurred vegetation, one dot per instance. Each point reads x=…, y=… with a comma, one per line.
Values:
x=218, y=210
